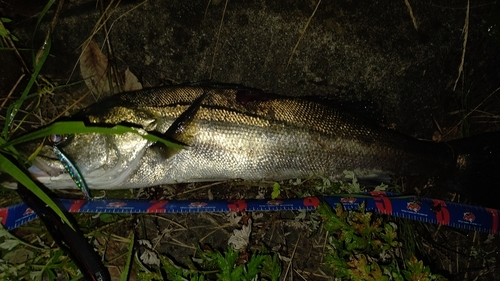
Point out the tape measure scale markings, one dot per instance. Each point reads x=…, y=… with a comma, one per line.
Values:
x=408, y=207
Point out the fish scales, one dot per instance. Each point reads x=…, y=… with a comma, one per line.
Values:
x=236, y=134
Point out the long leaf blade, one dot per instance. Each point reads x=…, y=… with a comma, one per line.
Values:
x=13, y=170
x=79, y=127
x=14, y=108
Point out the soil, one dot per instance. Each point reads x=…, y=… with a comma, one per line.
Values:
x=408, y=64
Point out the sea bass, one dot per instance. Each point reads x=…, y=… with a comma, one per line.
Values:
x=240, y=133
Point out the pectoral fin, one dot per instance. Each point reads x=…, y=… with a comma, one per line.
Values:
x=178, y=132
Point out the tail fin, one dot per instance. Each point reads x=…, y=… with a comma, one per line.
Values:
x=477, y=174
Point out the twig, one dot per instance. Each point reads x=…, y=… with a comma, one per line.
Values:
x=210, y=233
x=410, y=10
x=217, y=41
x=50, y=31
x=196, y=189
x=291, y=258
x=206, y=9
x=10, y=43
x=71, y=106
x=324, y=246
x=179, y=243
x=438, y=229
x=170, y=221
x=473, y=110
x=99, y=25
x=12, y=90
x=300, y=275
x=466, y=35
x=302, y=34
x=470, y=255
x=112, y=71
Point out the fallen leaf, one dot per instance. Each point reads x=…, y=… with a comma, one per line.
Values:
x=130, y=81
x=18, y=256
x=233, y=218
x=9, y=244
x=150, y=258
x=93, y=65
x=240, y=238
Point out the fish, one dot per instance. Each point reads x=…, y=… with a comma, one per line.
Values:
x=234, y=132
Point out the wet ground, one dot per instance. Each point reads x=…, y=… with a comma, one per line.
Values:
x=426, y=67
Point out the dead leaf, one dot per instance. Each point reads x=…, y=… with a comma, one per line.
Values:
x=243, y=257
x=17, y=256
x=437, y=137
x=233, y=218
x=240, y=238
x=93, y=65
x=130, y=81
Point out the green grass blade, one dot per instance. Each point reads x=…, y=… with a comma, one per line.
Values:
x=14, y=107
x=4, y=32
x=9, y=149
x=79, y=127
x=130, y=253
x=41, y=15
x=13, y=170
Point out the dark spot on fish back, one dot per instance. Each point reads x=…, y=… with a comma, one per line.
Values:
x=247, y=96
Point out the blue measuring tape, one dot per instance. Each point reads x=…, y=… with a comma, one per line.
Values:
x=427, y=210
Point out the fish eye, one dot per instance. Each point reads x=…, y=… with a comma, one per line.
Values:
x=57, y=139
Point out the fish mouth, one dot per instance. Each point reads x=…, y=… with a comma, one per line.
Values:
x=46, y=167
x=45, y=164
x=37, y=172
x=43, y=173
x=51, y=173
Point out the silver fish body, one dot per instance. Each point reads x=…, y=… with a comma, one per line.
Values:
x=232, y=134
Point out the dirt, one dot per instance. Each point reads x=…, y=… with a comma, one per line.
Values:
x=351, y=51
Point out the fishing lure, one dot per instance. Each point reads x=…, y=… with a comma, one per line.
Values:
x=68, y=165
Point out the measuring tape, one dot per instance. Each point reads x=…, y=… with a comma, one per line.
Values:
x=427, y=210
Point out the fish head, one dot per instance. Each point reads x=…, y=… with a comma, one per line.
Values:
x=104, y=161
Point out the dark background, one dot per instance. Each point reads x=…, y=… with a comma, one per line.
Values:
x=350, y=51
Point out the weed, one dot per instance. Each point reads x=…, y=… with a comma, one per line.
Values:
x=227, y=266
x=4, y=32
x=20, y=260
x=361, y=247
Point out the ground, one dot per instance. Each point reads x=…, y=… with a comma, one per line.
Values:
x=428, y=69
